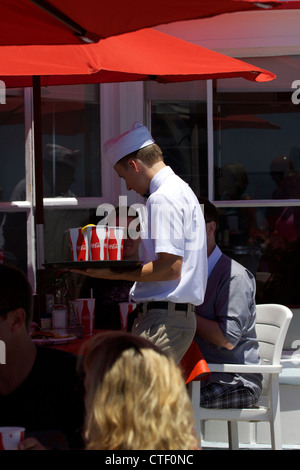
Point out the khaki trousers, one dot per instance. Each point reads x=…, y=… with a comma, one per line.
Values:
x=171, y=330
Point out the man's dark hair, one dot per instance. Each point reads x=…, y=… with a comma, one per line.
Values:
x=15, y=292
x=210, y=211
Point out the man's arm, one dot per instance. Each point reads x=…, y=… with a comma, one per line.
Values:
x=210, y=331
x=167, y=267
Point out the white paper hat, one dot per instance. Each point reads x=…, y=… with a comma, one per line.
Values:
x=136, y=138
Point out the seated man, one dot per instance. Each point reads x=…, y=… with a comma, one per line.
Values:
x=39, y=387
x=225, y=330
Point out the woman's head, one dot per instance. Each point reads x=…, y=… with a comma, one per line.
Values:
x=135, y=397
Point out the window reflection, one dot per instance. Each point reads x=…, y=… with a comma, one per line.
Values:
x=71, y=141
x=12, y=143
x=256, y=138
x=266, y=240
x=56, y=235
x=14, y=239
x=180, y=130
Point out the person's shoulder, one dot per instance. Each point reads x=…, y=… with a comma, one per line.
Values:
x=233, y=267
x=238, y=270
x=56, y=357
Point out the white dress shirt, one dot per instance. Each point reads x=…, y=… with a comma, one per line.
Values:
x=175, y=225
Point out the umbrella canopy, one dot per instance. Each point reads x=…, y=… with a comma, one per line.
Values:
x=245, y=121
x=73, y=21
x=141, y=55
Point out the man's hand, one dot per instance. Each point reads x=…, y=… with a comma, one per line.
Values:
x=31, y=443
x=101, y=273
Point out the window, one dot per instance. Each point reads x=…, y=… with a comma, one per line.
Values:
x=257, y=165
x=253, y=173
x=13, y=235
x=179, y=128
x=71, y=171
x=71, y=162
x=71, y=120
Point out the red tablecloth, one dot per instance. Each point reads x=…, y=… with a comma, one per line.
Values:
x=193, y=364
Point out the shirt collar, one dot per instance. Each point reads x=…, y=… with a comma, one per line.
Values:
x=213, y=259
x=159, y=178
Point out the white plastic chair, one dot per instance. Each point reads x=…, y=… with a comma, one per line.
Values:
x=272, y=323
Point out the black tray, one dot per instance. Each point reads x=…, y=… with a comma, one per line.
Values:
x=112, y=264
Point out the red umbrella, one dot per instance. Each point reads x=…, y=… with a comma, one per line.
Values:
x=244, y=121
x=71, y=21
x=141, y=55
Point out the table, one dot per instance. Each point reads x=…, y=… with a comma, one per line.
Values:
x=193, y=364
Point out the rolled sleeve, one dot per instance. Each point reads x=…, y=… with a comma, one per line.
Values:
x=235, y=305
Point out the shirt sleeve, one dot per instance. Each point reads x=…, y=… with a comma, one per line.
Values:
x=235, y=305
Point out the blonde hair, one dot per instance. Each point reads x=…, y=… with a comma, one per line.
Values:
x=136, y=398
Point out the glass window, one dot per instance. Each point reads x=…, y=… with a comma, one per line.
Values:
x=179, y=128
x=257, y=158
x=256, y=167
x=14, y=239
x=57, y=222
x=256, y=135
x=13, y=235
x=12, y=143
x=257, y=147
x=266, y=241
x=71, y=141
x=71, y=161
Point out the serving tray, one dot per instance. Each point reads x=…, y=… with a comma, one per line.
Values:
x=112, y=264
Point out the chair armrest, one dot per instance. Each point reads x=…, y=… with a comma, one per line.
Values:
x=246, y=368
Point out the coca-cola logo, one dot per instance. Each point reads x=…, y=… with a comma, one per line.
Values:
x=113, y=246
x=95, y=245
x=81, y=247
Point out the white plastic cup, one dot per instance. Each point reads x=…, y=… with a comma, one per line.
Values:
x=78, y=245
x=10, y=437
x=59, y=316
x=85, y=310
x=115, y=243
x=125, y=308
x=97, y=242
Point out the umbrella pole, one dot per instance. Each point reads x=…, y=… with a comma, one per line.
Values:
x=39, y=204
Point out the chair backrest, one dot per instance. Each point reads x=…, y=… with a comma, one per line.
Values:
x=272, y=322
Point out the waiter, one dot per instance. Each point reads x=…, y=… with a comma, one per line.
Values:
x=172, y=280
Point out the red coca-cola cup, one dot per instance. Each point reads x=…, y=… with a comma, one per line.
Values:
x=95, y=237
x=78, y=246
x=125, y=309
x=98, y=243
x=115, y=243
x=85, y=309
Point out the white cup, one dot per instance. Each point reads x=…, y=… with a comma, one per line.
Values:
x=115, y=243
x=125, y=308
x=10, y=437
x=59, y=316
x=78, y=245
x=85, y=310
x=97, y=242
